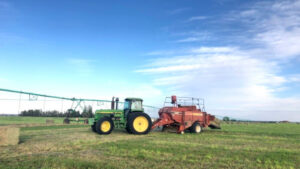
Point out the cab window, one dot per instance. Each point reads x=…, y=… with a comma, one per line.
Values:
x=126, y=105
x=136, y=105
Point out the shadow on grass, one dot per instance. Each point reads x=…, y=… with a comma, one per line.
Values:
x=23, y=139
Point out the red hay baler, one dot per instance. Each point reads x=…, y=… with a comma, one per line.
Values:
x=185, y=113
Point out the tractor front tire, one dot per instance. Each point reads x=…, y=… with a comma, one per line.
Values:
x=128, y=129
x=196, y=128
x=139, y=123
x=104, y=125
x=127, y=126
x=66, y=121
x=94, y=127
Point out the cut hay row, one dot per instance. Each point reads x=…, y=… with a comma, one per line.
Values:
x=38, y=125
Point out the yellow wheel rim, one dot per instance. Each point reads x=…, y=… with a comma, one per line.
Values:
x=140, y=124
x=105, y=126
x=198, y=129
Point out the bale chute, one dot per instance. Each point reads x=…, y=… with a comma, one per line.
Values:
x=215, y=124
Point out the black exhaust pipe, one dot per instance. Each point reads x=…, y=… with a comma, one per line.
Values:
x=117, y=103
x=113, y=103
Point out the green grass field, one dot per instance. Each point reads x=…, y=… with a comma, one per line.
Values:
x=235, y=146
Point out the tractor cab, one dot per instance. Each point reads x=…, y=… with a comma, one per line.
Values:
x=133, y=105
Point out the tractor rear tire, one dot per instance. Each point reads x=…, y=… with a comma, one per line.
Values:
x=196, y=128
x=104, y=125
x=139, y=123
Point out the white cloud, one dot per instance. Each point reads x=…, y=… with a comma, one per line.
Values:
x=275, y=26
x=239, y=82
x=170, y=68
x=194, y=36
x=195, y=18
x=213, y=50
x=162, y=52
x=189, y=39
x=177, y=11
x=228, y=78
x=294, y=78
x=281, y=42
x=171, y=80
x=249, y=13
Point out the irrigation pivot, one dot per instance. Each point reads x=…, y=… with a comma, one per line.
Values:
x=75, y=103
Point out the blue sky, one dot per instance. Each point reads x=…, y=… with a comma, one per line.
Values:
x=243, y=57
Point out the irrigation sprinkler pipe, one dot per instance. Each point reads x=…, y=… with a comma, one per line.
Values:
x=63, y=98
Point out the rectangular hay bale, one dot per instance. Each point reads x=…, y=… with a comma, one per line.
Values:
x=9, y=135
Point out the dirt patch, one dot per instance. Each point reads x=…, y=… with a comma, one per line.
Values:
x=9, y=135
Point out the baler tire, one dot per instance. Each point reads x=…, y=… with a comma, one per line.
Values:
x=99, y=123
x=196, y=128
x=132, y=119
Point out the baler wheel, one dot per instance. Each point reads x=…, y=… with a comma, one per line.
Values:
x=104, y=125
x=196, y=128
x=139, y=123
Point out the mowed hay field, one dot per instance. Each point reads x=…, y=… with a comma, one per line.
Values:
x=17, y=120
x=253, y=145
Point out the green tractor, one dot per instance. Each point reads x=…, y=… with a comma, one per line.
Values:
x=132, y=118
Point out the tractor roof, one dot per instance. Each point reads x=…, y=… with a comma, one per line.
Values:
x=134, y=98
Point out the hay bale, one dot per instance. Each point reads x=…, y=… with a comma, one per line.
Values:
x=49, y=121
x=9, y=135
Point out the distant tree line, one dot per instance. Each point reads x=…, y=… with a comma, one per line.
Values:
x=87, y=112
x=228, y=119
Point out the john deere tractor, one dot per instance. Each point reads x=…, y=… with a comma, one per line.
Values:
x=132, y=118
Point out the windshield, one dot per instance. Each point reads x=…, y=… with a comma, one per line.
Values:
x=136, y=105
x=126, y=105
